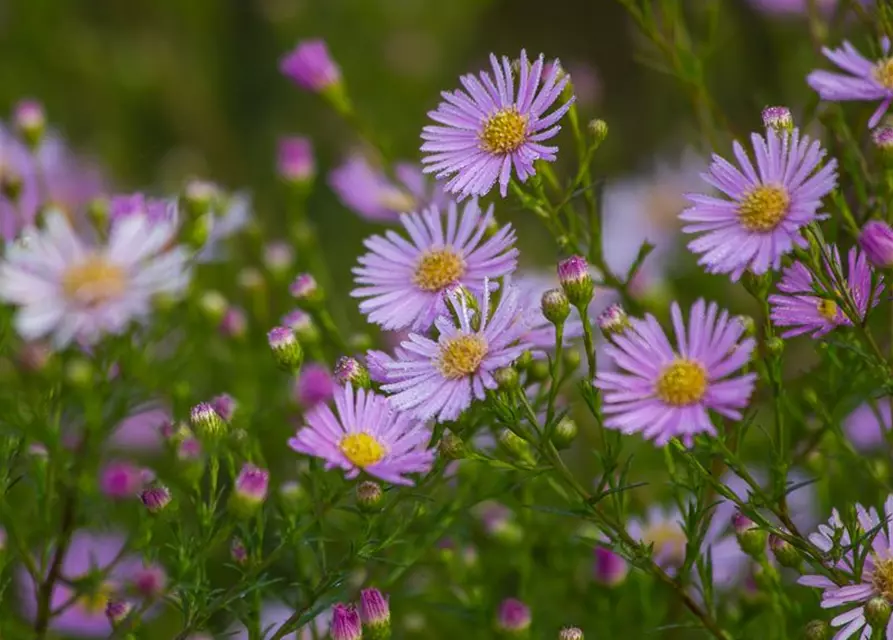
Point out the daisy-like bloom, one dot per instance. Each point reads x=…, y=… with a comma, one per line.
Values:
x=863, y=79
x=88, y=554
x=367, y=435
x=374, y=196
x=875, y=580
x=403, y=282
x=798, y=308
x=72, y=290
x=867, y=426
x=665, y=393
x=488, y=128
x=767, y=206
x=441, y=379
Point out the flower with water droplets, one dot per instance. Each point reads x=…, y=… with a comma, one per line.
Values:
x=366, y=435
x=759, y=219
x=77, y=291
x=374, y=196
x=665, y=393
x=403, y=282
x=801, y=311
x=863, y=79
x=440, y=379
x=488, y=131
x=867, y=565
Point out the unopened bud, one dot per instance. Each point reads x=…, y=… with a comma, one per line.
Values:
x=538, y=370
x=598, y=129
x=784, y=552
x=238, y=552
x=507, y=378
x=30, y=121
x=817, y=630
x=286, y=349
x=513, y=618
x=369, y=496
x=575, y=279
x=571, y=633
x=514, y=444
x=79, y=372
x=571, y=358
x=751, y=538
x=350, y=371
x=292, y=495
x=775, y=345
x=306, y=291
x=613, y=321
x=883, y=139
x=250, y=490
x=303, y=326
x=278, y=258
x=213, y=305
x=451, y=446
x=877, y=612
x=206, y=422
x=555, y=306
x=117, y=611
x=778, y=118
x=156, y=498
x=565, y=432
x=375, y=614
x=876, y=240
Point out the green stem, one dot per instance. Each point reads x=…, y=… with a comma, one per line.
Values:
x=588, y=342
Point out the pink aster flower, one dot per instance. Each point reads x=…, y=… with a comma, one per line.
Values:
x=66, y=287
x=366, y=435
x=314, y=385
x=873, y=579
x=766, y=207
x=88, y=554
x=665, y=393
x=864, y=79
x=441, y=379
x=311, y=66
x=403, y=282
x=868, y=424
x=486, y=129
x=799, y=308
x=374, y=196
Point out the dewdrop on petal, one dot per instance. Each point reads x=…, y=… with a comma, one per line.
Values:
x=570, y=633
x=350, y=371
x=513, y=618
x=369, y=496
x=286, y=349
x=778, y=118
x=575, y=279
x=555, y=306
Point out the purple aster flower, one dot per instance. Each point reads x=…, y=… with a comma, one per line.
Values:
x=295, y=161
x=314, y=385
x=274, y=614
x=120, y=479
x=767, y=207
x=141, y=430
x=50, y=176
x=867, y=426
x=310, y=66
x=665, y=393
x=609, y=568
x=441, y=379
x=252, y=484
x=88, y=553
x=876, y=240
x=864, y=79
x=367, y=435
x=404, y=281
x=513, y=616
x=372, y=194
x=798, y=307
x=865, y=579
x=72, y=290
x=486, y=129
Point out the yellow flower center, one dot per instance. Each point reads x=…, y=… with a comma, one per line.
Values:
x=396, y=200
x=94, y=603
x=827, y=309
x=438, y=268
x=669, y=541
x=883, y=73
x=462, y=356
x=504, y=131
x=764, y=208
x=94, y=281
x=682, y=382
x=882, y=578
x=362, y=449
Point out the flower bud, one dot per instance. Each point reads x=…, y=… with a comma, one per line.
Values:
x=310, y=66
x=778, y=118
x=238, y=552
x=349, y=371
x=251, y=280
x=565, y=432
x=206, y=422
x=571, y=359
x=751, y=538
x=278, y=258
x=556, y=307
x=292, y=495
x=306, y=291
x=499, y=524
x=775, y=345
x=346, y=623
x=613, y=321
x=538, y=370
x=883, y=139
x=250, y=490
x=610, y=569
x=286, y=349
x=571, y=633
x=234, y=324
x=877, y=612
x=196, y=231
x=156, y=498
x=876, y=240
x=514, y=445
x=513, y=618
x=451, y=446
x=369, y=496
x=817, y=630
x=149, y=581
x=375, y=614
x=784, y=552
x=507, y=378
x=213, y=305
x=225, y=406
x=302, y=325
x=119, y=479
x=749, y=325
x=79, y=372
x=575, y=279
x=295, y=162
x=598, y=129
x=30, y=121
x=199, y=198
x=117, y=611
